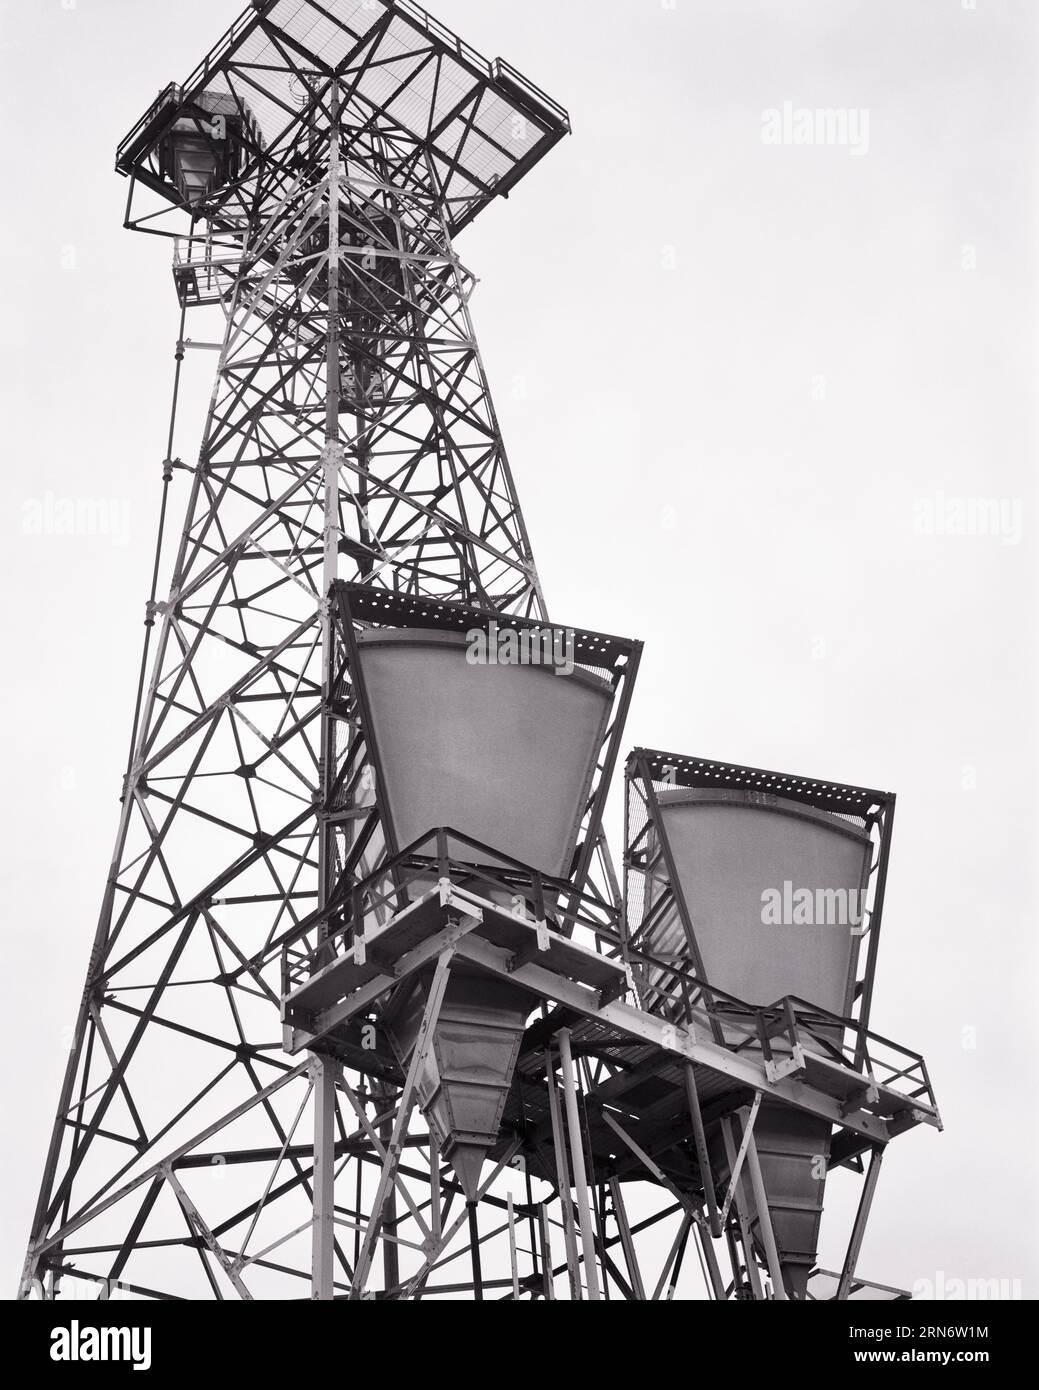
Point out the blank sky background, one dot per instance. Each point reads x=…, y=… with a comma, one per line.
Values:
x=726, y=373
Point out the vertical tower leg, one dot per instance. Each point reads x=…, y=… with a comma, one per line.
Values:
x=390, y=1256
x=323, y=1073
x=563, y=1181
x=474, y=1251
x=513, y=1254
x=548, y=1287
x=324, y=1070
x=577, y=1156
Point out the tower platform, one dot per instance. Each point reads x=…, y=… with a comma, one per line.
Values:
x=424, y=904
x=479, y=123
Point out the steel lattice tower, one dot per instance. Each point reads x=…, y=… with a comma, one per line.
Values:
x=210, y=1142
x=357, y=443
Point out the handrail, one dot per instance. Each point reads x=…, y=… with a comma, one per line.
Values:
x=423, y=20
x=228, y=40
x=500, y=67
x=782, y=1027
x=491, y=70
x=386, y=885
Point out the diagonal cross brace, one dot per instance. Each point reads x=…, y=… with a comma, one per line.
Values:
x=405, y=1106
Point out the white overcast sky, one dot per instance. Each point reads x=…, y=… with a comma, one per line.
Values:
x=728, y=373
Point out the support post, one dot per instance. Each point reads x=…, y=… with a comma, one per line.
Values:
x=474, y=1251
x=577, y=1157
x=737, y=1166
x=548, y=1287
x=330, y=458
x=323, y=1074
x=702, y=1159
x=513, y=1257
x=390, y=1257
x=436, y=1211
x=768, y=1238
x=563, y=1181
x=323, y=1071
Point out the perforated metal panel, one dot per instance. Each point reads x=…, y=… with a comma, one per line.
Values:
x=730, y=851
x=504, y=754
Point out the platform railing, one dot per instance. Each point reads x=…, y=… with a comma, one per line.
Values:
x=206, y=254
x=211, y=63
x=775, y=1032
x=442, y=855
